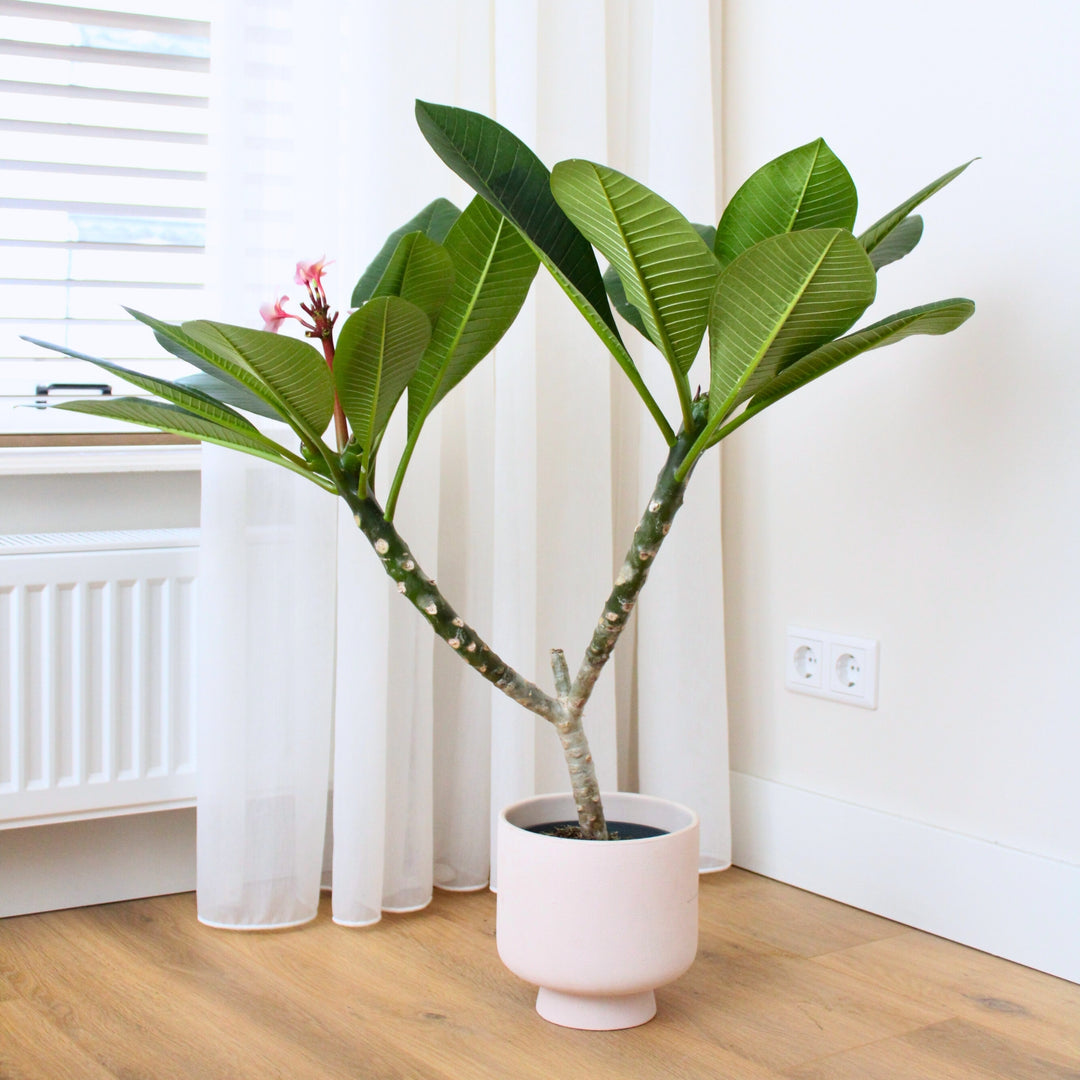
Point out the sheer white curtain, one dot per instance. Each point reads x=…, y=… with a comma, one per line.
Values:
x=521, y=498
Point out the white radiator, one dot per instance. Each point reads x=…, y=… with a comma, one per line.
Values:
x=97, y=673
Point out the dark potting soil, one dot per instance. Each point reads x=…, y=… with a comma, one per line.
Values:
x=617, y=830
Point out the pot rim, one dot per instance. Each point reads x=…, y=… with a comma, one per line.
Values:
x=608, y=796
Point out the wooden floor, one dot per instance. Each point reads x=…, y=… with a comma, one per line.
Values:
x=786, y=985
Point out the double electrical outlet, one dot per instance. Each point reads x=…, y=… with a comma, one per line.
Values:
x=835, y=666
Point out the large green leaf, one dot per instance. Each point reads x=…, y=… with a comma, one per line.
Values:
x=778, y=301
x=493, y=269
x=215, y=382
x=433, y=221
x=881, y=228
x=420, y=271
x=617, y=295
x=666, y=270
x=210, y=385
x=229, y=392
x=190, y=398
x=806, y=188
x=179, y=421
x=220, y=358
x=296, y=371
x=898, y=243
x=378, y=351
x=501, y=168
x=937, y=318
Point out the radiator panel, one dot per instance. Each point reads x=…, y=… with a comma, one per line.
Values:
x=97, y=650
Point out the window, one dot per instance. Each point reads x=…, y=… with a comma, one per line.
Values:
x=103, y=179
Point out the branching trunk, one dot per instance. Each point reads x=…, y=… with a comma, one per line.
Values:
x=565, y=711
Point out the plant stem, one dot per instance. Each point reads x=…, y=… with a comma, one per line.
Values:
x=632, y=373
x=399, y=475
x=579, y=761
x=341, y=428
x=653, y=527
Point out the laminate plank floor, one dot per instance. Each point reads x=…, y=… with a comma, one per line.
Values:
x=786, y=985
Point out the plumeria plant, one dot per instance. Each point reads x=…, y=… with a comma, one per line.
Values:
x=777, y=285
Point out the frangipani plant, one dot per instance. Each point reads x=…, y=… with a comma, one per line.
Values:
x=777, y=285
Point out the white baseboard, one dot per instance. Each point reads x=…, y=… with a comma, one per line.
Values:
x=96, y=862
x=1002, y=901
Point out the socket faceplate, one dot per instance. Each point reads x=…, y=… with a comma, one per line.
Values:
x=829, y=665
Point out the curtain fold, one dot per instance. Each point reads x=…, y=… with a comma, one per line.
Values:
x=267, y=571
x=521, y=497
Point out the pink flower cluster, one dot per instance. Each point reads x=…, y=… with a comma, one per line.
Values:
x=309, y=274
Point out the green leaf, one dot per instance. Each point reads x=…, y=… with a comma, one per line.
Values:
x=806, y=188
x=433, y=221
x=707, y=233
x=778, y=301
x=226, y=360
x=501, y=168
x=228, y=388
x=666, y=270
x=230, y=392
x=898, y=243
x=881, y=228
x=617, y=295
x=377, y=353
x=190, y=398
x=179, y=421
x=295, y=371
x=419, y=271
x=937, y=318
x=493, y=269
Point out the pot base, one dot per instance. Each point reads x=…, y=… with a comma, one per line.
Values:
x=591, y=1013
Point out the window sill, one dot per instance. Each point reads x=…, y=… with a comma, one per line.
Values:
x=25, y=455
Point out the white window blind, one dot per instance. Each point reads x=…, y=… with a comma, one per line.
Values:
x=103, y=179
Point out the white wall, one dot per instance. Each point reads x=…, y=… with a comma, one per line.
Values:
x=927, y=495
x=73, y=502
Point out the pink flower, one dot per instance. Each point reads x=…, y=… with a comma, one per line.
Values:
x=308, y=272
x=274, y=315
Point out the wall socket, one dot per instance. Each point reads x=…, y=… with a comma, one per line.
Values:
x=835, y=666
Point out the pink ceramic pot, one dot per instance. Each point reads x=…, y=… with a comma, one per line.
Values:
x=597, y=926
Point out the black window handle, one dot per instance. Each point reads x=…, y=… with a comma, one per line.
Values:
x=102, y=388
